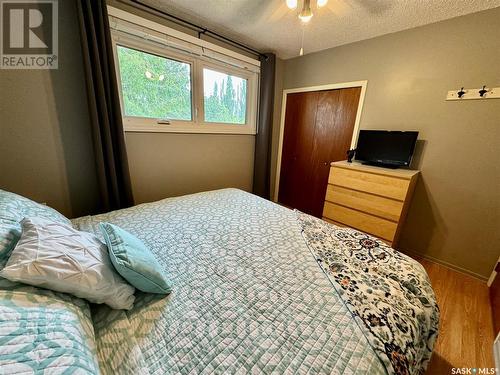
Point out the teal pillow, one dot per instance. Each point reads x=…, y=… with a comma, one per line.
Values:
x=133, y=260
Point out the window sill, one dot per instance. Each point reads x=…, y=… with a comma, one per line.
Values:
x=192, y=129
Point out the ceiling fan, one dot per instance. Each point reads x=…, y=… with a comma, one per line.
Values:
x=306, y=13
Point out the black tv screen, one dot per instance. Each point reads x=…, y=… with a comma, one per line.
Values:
x=383, y=147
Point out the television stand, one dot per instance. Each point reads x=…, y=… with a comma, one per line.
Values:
x=381, y=165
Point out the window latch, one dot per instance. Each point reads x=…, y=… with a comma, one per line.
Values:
x=163, y=122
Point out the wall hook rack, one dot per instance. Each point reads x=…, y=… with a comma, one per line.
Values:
x=480, y=93
x=483, y=91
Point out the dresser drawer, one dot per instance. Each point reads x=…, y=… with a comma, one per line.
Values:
x=374, y=225
x=385, y=186
x=333, y=222
x=343, y=225
x=375, y=205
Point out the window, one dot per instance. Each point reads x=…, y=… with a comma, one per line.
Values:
x=163, y=89
x=225, y=97
x=153, y=86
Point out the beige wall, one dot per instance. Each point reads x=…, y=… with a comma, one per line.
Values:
x=167, y=164
x=171, y=164
x=45, y=144
x=455, y=214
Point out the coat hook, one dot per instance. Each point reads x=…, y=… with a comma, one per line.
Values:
x=461, y=93
x=482, y=91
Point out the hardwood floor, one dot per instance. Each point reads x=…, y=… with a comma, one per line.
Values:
x=466, y=326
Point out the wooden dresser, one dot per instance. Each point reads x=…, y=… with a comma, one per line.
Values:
x=372, y=199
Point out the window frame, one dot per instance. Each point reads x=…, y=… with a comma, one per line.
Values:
x=197, y=63
x=235, y=72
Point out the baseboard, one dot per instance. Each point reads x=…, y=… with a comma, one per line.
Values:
x=445, y=264
x=496, y=350
x=492, y=278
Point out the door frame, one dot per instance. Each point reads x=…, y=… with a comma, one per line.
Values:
x=332, y=86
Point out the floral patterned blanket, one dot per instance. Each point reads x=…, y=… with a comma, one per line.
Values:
x=388, y=293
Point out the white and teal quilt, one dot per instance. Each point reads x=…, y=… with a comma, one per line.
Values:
x=42, y=332
x=248, y=297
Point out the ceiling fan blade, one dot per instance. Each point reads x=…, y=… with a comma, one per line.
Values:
x=373, y=7
x=339, y=7
x=280, y=12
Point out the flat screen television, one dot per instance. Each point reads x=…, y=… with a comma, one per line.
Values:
x=391, y=149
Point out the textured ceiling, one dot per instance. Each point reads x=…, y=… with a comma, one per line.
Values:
x=269, y=25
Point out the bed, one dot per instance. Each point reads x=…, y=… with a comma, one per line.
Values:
x=257, y=288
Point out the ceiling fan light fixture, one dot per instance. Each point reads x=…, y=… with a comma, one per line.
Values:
x=322, y=3
x=292, y=4
x=306, y=14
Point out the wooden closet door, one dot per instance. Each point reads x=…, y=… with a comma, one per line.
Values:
x=318, y=130
x=300, y=117
x=335, y=119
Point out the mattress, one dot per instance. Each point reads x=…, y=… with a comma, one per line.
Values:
x=248, y=295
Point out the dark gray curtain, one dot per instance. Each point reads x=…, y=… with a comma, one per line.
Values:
x=104, y=106
x=262, y=162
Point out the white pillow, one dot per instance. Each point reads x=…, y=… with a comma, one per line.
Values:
x=56, y=256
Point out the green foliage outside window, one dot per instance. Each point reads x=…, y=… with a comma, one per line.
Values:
x=228, y=99
x=154, y=86
x=157, y=87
